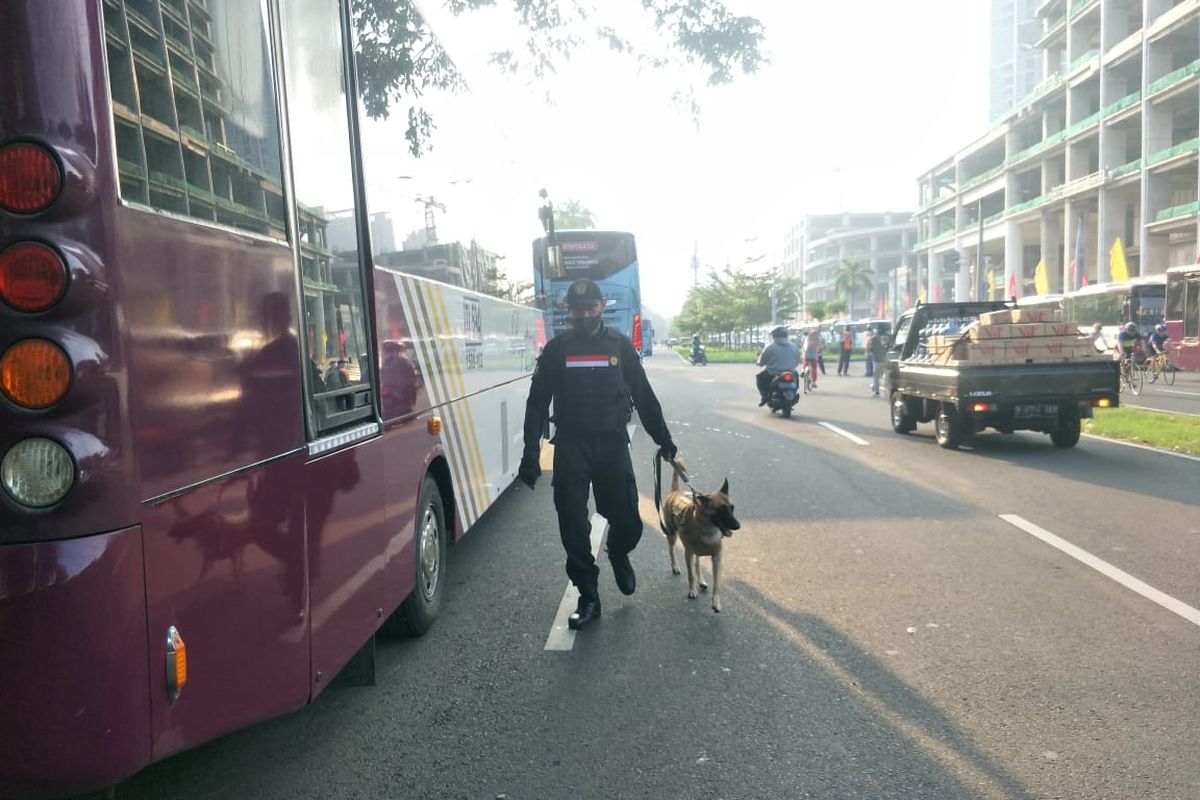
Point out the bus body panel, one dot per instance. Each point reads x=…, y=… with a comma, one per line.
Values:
x=1183, y=316
x=225, y=564
x=75, y=706
x=215, y=382
x=61, y=102
x=347, y=539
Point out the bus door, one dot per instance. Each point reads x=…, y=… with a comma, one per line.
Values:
x=346, y=523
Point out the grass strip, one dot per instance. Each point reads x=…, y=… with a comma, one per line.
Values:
x=1175, y=432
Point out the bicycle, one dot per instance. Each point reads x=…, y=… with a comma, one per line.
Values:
x=806, y=378
x=1160, y=365
x=1132, y=376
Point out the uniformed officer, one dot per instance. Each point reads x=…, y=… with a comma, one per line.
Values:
x=595, y=378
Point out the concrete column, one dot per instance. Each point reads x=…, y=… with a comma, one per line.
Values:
x=934, y=278
x=1014, y=258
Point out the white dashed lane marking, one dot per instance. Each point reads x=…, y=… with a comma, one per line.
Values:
x=1147, y=591
x=840, y=432
x=561, y=637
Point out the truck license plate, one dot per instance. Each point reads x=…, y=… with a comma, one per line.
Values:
x=1027, y=410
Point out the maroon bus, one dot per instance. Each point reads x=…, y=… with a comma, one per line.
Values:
x=232, y=446
x=1183, y=316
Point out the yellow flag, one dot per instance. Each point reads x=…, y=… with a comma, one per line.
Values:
x=921, y=295
x=1041, y=281
x=1116, y=260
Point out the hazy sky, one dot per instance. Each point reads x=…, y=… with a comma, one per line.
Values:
x=858, y=99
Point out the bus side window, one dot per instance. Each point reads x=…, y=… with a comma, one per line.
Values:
x=332, y=260
x=1191, y=309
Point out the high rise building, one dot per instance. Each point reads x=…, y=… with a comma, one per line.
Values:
x=1091, y=177
x=1015, y=62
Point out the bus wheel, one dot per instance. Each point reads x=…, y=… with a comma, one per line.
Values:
x=416, y=614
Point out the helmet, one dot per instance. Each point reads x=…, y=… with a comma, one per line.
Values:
x=1161, y=328
x=779, y=331
x=1131, y=327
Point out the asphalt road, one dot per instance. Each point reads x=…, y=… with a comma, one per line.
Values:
x=885, y=633
x=1182, y=398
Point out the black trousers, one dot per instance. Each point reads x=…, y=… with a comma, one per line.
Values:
x=844, y=362
x=600, y=462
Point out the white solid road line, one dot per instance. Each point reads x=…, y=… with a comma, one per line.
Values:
x=1179, y=607
x=1158, y=450
x=841, y=432
x=561, y=637
x=1177, y=391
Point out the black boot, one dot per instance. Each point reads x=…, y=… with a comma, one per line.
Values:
x=623, y=572
x=586, y=610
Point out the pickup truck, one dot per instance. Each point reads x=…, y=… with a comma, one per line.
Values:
x=963, y=398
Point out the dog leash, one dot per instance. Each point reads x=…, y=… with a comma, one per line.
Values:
x=658, y=459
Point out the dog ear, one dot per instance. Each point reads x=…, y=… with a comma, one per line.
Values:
x=725, y=487
x=702, y=499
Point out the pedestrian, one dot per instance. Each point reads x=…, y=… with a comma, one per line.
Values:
x=847, y=345
x=877, y=352
x=595, y=378
x=870, y=359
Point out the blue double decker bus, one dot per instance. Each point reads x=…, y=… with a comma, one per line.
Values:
x=607, y=257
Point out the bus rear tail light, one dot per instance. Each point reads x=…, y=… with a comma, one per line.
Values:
x=37, y=472
x=176, y=664
x=30, y=178
x=33, y=277
x=637, y=332
x=35, y=373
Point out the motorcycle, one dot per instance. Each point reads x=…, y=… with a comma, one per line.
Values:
x=699, y=357
x=783, y=395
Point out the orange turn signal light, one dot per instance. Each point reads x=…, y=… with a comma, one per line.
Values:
x=434, y=426
x=176, y=664
x=35, y=373
x=979, y=408
x=1104, y=402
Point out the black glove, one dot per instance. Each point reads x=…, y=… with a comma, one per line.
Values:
x=529, y=470
x=668, y=450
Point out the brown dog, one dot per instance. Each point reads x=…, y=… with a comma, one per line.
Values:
x=702, y=522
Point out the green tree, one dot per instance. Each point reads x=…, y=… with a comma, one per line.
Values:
x=852, y=275
x=573, y=214
x=835, y=307
x=818, y=310
x=399, y=58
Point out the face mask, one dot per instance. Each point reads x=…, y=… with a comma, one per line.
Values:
x=586, y=326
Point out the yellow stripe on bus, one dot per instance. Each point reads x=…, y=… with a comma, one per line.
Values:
x=434, y=373
x=470, y=437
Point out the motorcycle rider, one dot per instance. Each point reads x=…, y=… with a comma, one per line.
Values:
x=779, y=356
x=697, y=348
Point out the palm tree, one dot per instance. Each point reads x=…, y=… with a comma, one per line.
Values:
x=852, y=274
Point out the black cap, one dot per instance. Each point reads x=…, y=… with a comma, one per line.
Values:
x=584, y=292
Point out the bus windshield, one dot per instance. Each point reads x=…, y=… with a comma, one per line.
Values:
x=607, y=257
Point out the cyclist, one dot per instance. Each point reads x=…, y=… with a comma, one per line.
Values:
x=1129, y=343
x=1157, y=342
x=812, y=353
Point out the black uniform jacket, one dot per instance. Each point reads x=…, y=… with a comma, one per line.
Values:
x=593, y=382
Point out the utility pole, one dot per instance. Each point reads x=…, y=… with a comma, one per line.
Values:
x=695, y=263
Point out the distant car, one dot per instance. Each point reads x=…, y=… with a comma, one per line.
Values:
x=672, y=341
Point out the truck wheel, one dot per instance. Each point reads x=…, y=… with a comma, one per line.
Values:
x=947, y=427
x=1068, y=435
x=416, y=614
x=901, y=421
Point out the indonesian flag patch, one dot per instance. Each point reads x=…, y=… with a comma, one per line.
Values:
x=599, y=360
